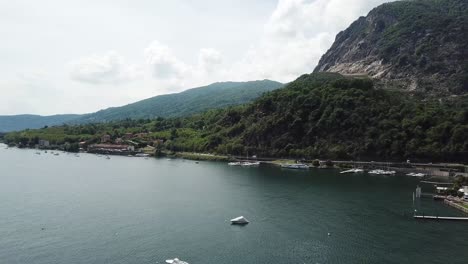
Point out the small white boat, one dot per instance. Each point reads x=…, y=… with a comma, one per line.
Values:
x=352, y=171
x=382, y=172
x=250, y=164
x=297, y=166
x=234, y=163
x=412, y=174
x=239, y=221
x=175, y=261
x=141, y=155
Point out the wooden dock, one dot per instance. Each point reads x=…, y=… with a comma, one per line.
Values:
x=431, y=217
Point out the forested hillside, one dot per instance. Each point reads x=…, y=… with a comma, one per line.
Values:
x=419, y=46
x=320, y=115
x=196, y=100
x=20, y=122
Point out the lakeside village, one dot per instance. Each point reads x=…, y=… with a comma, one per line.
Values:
x=449, y=181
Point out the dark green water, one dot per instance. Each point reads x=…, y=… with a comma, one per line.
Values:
x=65, y=209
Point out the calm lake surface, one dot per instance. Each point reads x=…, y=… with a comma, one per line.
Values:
x=87, y=209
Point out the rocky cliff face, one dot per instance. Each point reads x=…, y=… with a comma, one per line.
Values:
x=418, y=45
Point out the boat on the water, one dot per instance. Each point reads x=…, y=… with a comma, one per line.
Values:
x=250, y=164
x=141, y=155
x=107, y=157
x=239, y=221
x=382, y=172
x=352, y=171
x=175, y=261
x=296, y=166
x=235, y=163
x=413, y=174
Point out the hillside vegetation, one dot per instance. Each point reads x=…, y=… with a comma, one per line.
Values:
x=20, y=122
x=196, y=100
x=320, y=115
x=418, y=46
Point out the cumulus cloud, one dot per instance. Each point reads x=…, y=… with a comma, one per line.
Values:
x=164, y=64
x=106, y=68
x=297, y=34
x=209, y=59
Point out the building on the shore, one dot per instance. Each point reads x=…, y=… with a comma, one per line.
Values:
x=141, y=135
x=44, y=143
x=158, y=142
x=148, y=150
x=119, y=141
x=441, y=190
x=110, y=148
x=105, y=138
x=128, y=136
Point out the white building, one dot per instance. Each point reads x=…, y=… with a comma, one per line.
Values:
x=44, y=143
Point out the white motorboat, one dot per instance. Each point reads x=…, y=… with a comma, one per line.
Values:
x=416, y=174
x=175, y=261
x=250, y=164
x=234, y=163
x=239, y=221
x=352, y=171
x=382, y=172
x=297, y=166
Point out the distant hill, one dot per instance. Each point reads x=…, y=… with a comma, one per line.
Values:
x=417, y=46
x=319, y=115
x=20, y=122
x=196, y=100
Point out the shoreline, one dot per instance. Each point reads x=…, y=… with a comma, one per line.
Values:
x=440, y=170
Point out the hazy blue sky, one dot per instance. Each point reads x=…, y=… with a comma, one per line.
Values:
x=77, y=56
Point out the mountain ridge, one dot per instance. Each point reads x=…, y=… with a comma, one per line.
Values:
x=416, y=46
x=190, y=101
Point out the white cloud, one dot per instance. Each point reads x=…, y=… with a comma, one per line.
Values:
x=297, y=34
x=164, y=64
x=209, y=59
x=109, y=67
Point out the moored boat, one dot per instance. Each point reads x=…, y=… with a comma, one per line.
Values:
x=175, y=261
x=352, y=171
x=297, y=166
x=250, y=164
x=239, y=221
x=382, y=172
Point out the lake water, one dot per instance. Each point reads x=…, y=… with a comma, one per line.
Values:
x=87, y=209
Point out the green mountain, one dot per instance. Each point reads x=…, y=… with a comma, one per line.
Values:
x=196, y=100
x=20, y=122
x=419, y=46
x=330, y=116
x=321, y=115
